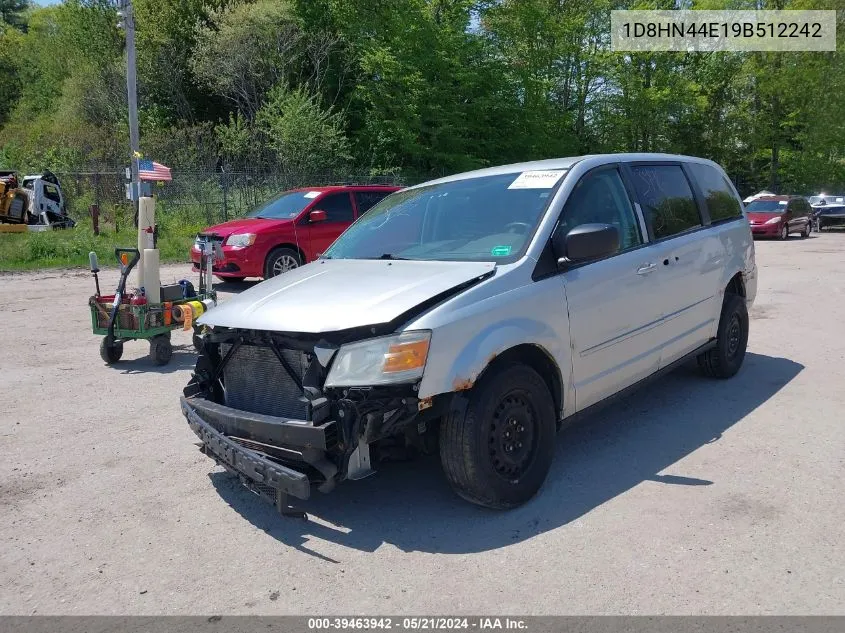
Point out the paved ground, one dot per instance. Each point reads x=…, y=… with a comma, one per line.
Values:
x=693, y=496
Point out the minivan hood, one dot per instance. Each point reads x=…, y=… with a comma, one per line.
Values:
x=244, y=225
x=329, y=295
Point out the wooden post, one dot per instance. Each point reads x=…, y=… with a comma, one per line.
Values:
x=95, y=218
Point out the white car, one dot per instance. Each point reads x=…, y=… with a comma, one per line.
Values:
x=483, y=310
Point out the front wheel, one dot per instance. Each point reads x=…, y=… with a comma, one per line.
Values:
x=111, y=353
x=784, y=232
x=498, y=450
x=281, y=260
x=161, y=349
x=724, y=360
x=806, y=232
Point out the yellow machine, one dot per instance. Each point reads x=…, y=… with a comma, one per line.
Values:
x=14, y=202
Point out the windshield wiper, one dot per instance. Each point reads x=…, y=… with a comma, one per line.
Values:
x=390, y=256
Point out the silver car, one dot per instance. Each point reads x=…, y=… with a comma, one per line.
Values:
x=476, y=315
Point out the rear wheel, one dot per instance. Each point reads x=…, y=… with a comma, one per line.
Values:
x=498, y=450
x=724, y=360
x=784, y=232
x=281, y=260
x=806, y=231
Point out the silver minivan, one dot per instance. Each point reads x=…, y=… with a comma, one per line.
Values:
x=475, y=315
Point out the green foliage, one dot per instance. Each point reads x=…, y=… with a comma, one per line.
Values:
x=12, y=12
x=238, y=140
x=70, y=248
x=247, y=49
x=303, y=135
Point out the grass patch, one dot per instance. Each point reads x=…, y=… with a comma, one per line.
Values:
x=70, y=248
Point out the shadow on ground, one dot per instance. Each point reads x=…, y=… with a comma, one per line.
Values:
x=410, y=505
x=184, y=357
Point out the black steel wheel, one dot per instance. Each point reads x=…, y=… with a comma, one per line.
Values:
x=512, y=437
x=111, y=353
x=724, y=360
x=161, y=349
x=497, y=450
x=281, y=260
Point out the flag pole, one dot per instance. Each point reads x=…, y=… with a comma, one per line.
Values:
x=128, y=23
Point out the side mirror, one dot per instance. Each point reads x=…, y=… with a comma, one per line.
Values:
x=585, y=242
x=317, y=215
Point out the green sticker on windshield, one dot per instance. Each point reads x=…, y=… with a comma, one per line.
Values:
x=500, y=251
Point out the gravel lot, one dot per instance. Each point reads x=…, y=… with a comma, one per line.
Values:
x=691, y=497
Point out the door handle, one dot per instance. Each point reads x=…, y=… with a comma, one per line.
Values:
x=646, y=268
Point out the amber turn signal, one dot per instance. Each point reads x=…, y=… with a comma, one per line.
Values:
x=405, y=356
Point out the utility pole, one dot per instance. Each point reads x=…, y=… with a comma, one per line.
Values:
x=128, y=24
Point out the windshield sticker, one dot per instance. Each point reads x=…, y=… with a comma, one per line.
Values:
x=537, y=179
x=500, y=251
x=312, y=194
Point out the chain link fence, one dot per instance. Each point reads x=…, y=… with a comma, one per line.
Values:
x=204, y=196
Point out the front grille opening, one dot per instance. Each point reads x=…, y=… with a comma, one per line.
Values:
x=254, y=380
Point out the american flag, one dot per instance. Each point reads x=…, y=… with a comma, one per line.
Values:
x=151, y=170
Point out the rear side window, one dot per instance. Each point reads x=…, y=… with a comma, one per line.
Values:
x=666, y=198
x=366, y=200
x=798, y=206
x=338, y=207
x=720, y=199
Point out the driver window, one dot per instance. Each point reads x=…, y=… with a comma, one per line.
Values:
x=600, y=197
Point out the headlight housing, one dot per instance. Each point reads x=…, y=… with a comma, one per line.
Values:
x=387, y=360
x=241, y=239
x=774, y=220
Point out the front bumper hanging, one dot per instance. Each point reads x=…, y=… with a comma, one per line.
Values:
x=271, y=455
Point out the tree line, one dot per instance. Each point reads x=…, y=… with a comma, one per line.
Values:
x=406, y=86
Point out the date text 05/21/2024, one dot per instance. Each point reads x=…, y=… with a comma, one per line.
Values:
x=416, y=623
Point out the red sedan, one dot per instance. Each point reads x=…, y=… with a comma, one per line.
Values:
x=287, y=231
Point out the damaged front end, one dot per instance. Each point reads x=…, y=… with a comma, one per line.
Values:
x=262, y=407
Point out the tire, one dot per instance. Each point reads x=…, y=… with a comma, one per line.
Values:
x=234, y=280
x=197, y=340
x=160, y=349
x=784, y=232
x=478, y=455
x=281, y=260
x=806, y=232
x=112, y=353
x=724, y=360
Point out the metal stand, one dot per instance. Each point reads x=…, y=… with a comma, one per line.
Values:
x=287, y=510
x=359, y=462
